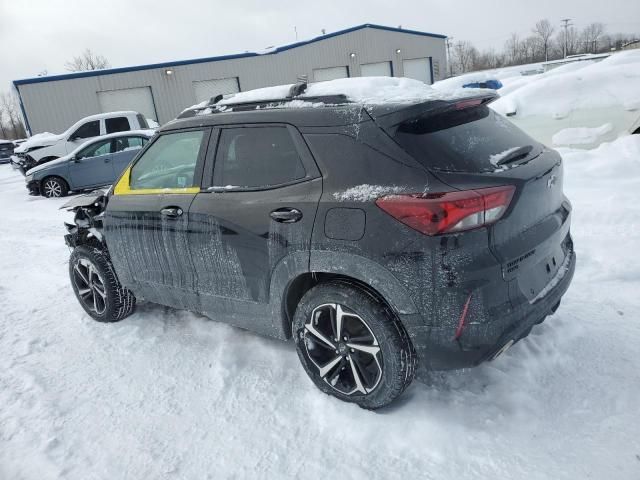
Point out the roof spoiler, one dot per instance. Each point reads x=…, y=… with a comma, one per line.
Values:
x=388, y=117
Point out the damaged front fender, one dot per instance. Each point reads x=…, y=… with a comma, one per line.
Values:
x=88, y=221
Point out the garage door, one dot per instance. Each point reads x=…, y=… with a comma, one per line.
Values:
x=331, y=73
x=205, y=89
x=418, y=68
x=380, y=69
x=136, y=99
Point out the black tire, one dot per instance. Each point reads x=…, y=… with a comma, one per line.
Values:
x=54, y=187
x=395, y=358
x=99, y=293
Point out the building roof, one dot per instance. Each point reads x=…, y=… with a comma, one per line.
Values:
x=110, y=71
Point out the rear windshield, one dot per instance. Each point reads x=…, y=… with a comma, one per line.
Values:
x=468, y=140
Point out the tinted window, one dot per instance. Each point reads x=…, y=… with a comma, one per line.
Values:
x=124, y=144
x=88, y=130
x=462, y=140
x=257, y=157
x=142, y=121
x=95, y=150
x=117, y=124
x=169, y=163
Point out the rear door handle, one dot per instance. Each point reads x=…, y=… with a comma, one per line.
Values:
x=286, y=215
x=171, y=212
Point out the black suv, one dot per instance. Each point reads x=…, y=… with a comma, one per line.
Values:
x=386, y=239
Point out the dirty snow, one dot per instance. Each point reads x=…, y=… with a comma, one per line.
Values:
x=167, y=394
x=580, y=135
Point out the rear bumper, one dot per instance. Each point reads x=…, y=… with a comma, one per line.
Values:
x=438, y=349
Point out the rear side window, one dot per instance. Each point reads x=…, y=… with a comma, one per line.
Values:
x=257, y=157
x=142, y=121
x=124, y=144
x=117, y=124
x=462, y=140
x=88, y=130
x=169, y=163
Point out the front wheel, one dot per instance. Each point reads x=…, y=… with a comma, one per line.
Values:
x=53, y=187
x=96, y=286
x=352, y=346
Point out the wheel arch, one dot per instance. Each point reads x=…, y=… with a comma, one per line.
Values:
x=288, y=286
x=54, y=175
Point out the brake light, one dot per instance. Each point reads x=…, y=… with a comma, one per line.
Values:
x=474, y=102
x=438, y=213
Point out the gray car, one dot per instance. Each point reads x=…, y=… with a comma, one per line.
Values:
x=95, y=163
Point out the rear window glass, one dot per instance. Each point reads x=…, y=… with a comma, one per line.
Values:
x=468, y=140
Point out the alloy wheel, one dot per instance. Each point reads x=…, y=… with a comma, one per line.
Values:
x=91, y=288
x=344, y=349
x=52, y=188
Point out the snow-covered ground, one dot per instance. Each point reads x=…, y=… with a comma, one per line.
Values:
x=170, y=394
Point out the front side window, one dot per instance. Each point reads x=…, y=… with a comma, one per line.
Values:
x=257, y=157
x=169, y=163
x=95, y=150
x=125, y=144
x=117, y=124
x=88, y=130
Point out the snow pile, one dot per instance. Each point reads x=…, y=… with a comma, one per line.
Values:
x=167, y=394
x=611, y=82
x=364, y=90
x=581, y=135
x=377, y=90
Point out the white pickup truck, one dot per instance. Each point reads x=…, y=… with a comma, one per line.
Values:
x=44, y=147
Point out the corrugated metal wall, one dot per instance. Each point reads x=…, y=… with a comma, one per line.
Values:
x=55, y=105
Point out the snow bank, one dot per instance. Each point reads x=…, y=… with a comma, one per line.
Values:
x=581, y=135
x=168, y=394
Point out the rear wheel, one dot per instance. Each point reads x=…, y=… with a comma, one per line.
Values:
x=53, y=187
x=96, y=286
x=352, y=346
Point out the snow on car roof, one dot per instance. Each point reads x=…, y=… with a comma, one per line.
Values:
x=611, y=82
x=362, y=90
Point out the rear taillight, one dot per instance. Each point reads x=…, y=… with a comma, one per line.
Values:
x=450, y=212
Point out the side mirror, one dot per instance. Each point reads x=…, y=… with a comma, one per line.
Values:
x=74, y=159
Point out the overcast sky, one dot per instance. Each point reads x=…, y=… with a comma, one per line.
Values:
x=37, y=35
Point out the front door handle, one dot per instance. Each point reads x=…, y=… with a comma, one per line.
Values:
x=286, y=215
x=171, y=212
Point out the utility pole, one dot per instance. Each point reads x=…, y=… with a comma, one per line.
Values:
x=566, y=25
x=449, y=40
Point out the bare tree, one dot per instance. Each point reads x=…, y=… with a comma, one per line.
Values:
x=87, y=60
x=512, y=48
x=590, y=36
x=10, y=117
x=544, y=30
x=464, y=55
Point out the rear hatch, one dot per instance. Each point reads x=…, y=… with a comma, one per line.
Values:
x=468, y=146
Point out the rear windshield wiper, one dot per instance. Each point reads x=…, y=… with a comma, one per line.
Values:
x=515, y=154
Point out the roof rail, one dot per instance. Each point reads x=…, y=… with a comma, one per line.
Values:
x=294, y=94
